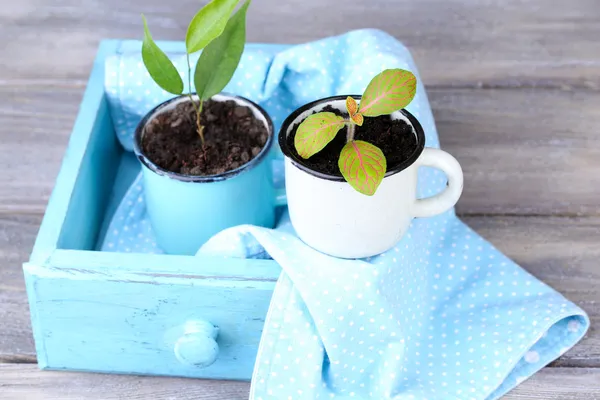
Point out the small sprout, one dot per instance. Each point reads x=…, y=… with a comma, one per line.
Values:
x=351, y=105
x=352, y=108
x=362, y=164
x=358, y=119
x=220, y=36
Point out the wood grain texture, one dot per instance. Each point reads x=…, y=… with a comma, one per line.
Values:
x=455, y=42
x=17, y=234
x=19, y=382
x=562, y=252
x=522, y=151
x=35, y=124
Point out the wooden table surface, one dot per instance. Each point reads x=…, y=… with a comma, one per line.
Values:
x=515, y=90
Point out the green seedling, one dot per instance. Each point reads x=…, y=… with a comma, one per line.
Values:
x=221, y=37
x=362, y=164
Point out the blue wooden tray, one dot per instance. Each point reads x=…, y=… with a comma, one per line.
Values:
x=127, y=313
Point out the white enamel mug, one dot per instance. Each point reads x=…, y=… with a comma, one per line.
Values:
x=333, y=218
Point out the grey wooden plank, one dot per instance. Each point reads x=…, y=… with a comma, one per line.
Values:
x=562, y=252
x=17, y=234
x=27, y=382
x=35, y=124
x=455, y=42
x=524, y=151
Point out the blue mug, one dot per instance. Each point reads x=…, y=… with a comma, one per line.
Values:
x=185, y=211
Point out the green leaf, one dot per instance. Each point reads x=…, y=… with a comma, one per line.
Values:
x=208, y=23
x=315, y=132
x=363, y=165
x=220, y=58
x=160, y=68
x=391, y=90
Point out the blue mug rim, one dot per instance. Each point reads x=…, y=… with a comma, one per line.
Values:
x=141, y=156
x=296, y=161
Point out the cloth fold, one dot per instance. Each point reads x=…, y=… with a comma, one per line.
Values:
x=442, y=315
x=407, y=324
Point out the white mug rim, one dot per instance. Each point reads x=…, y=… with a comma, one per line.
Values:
x=298, y=162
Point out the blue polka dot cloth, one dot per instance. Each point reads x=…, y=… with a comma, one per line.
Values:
x=442, y=315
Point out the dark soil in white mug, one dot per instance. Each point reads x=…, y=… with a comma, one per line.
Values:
x=395, y=138
x=233, y=137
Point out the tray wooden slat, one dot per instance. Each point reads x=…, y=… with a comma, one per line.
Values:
x=466, y=42
x=19, y=381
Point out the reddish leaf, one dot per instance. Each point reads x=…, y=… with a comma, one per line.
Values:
x=351, y=106
x=363, y=165
x=391, y=90
x=358, y=119
x=315, y=132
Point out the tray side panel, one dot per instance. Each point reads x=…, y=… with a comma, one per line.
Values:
x=30, y=285
x=92, y=322
x=93, y=186
x=92, y=119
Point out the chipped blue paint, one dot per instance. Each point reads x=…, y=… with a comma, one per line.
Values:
x=109, y=322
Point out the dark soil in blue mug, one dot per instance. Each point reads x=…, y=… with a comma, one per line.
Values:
x=233, y=137
x=395, y=138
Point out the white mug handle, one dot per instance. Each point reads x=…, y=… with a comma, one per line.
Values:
x=437, y=204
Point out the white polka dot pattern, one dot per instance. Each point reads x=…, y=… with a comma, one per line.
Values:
x=443, y=315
